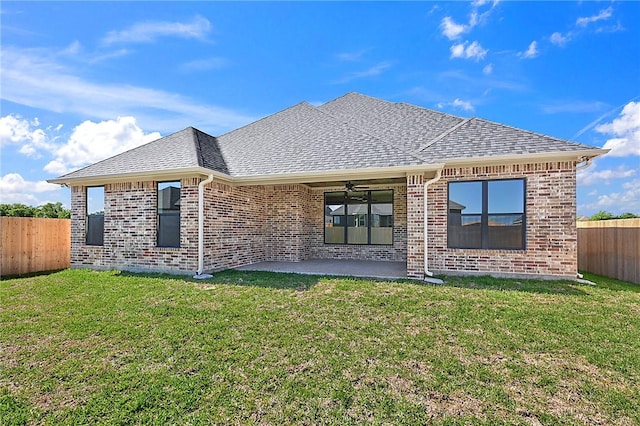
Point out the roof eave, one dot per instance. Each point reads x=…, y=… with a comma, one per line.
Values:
x=160, y=175
x=577, y=155
x=328, y=175
x=337, y=175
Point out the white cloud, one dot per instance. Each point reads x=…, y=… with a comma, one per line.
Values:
x=592, y=176
x=206, y=64
x=452, y=30
x=91, y=142
x=488, y=69
x=558, y=39
x=457, y=50
x=531, y=52
x=73, y=49
x=456, y=103
x=19, y=131
x=468, y=51
x=36, y=78
x=99, y=57
x=147, y=32
x=617, y=27
x=465, y=105
x=626, y=129
x=601, y=16
x=373, y=71
x=484, y=81
x=14, y=189
x=15, y=129
x=350, y=56
x=619, y=202
x=573, y=107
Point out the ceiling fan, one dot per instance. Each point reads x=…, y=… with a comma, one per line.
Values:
x=350, y=186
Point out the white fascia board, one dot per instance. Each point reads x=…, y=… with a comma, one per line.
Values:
x=162, y=175
x=579, y=156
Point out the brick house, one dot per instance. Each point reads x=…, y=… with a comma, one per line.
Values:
x=350, y=179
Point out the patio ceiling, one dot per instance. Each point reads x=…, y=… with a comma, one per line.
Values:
x=386, y=181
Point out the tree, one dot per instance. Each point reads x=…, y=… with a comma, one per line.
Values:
x=17, y=210
x=628, y=216
x=603, y=215
x=54, y=210
x=50, y=210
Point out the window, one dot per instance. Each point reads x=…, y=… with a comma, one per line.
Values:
x=487, y=214
x=169, y=214
x=94, y=235
x=358, y=217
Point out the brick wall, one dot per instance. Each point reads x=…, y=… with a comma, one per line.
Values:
x=251, y=224
x=551, y=236
x=234, y=225
x=130, y=230
x=287, y=222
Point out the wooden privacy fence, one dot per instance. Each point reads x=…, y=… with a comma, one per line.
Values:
x=610, y=248
x=34, y=244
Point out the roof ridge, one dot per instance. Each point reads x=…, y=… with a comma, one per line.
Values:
x=413, y=154
x=444, y=134
x=196, y=134
x=429, y=109
x=358, y=94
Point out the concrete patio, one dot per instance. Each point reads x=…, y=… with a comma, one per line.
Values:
x=352, y=268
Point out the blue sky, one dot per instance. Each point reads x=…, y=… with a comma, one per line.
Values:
x=81, y=81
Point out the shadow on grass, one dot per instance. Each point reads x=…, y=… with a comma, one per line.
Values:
x=566, y=287
x=31, y=274
x=612, y=283
x=301, y=282
x=485, y=282
x=275, y=280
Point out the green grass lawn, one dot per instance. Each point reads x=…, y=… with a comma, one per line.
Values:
x=82, y=347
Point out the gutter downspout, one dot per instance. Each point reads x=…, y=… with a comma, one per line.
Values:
x=428, y=275
x=199, y=275
x=579, y=167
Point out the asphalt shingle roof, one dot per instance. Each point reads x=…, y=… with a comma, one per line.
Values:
x=403, y=125
x=187, y=148
x=350, y=132
x=303, y=138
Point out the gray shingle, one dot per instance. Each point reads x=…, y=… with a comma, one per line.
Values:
x=187, y=148
x=303, y=138
x=403, y=125
x=482, y=138
x=351, y=132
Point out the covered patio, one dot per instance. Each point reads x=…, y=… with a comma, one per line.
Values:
x=341, y=267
